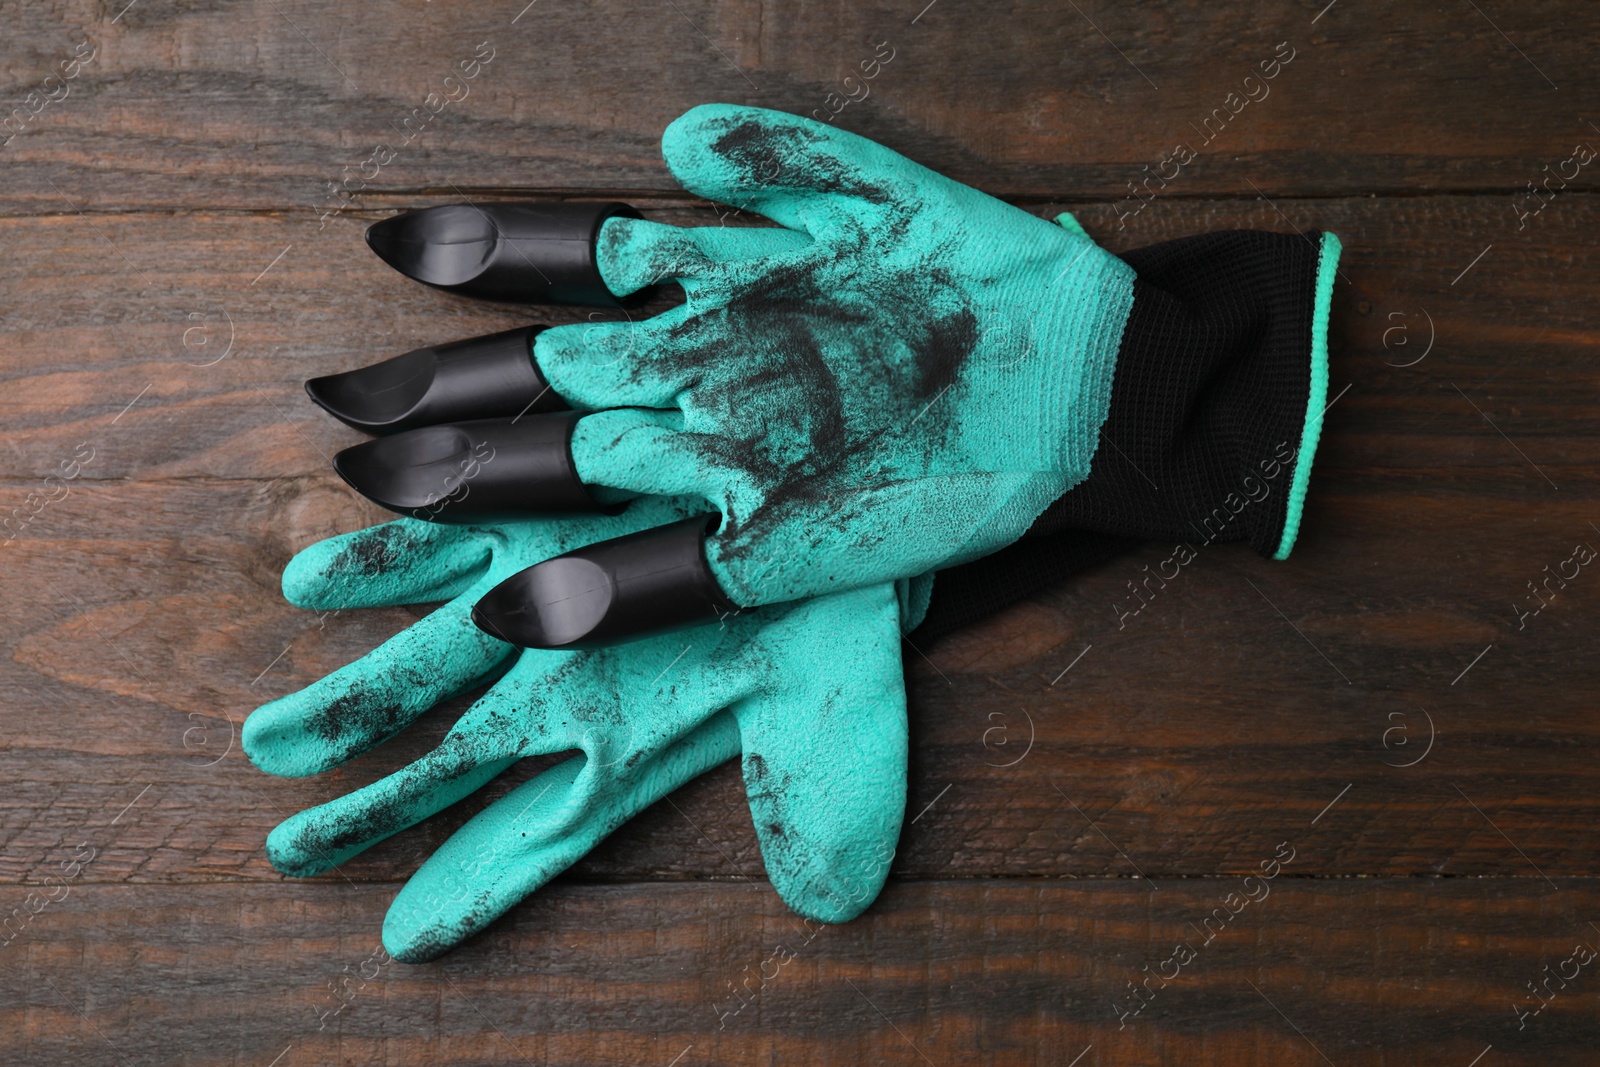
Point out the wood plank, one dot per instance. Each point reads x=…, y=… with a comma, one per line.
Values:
x=209, y=105
x=1206, y=717
x=1085, y=792
x=144, y=614
x=211, y=321
x=1380, y=972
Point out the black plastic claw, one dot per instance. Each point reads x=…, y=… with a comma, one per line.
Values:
x=466, y=472
x=529, y=253
x=486, y=377
x=619, y=590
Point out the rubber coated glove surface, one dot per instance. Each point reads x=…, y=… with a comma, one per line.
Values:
x=811, y=693
x=901, y=383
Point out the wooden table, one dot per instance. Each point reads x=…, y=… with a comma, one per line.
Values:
x=181, y=215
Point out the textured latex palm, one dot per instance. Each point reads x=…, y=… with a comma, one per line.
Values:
x=901, y=378
x=812, y=694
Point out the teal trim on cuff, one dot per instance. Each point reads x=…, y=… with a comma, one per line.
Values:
x=1069, y=222
x=1316, y=403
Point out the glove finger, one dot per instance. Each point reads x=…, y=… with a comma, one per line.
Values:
x=401, y=562
x=370, y=700
x=621, y=707
x=645, y=452
x=642, y=451
x=634, y=253
x=321, y=838
x=796, y=171
x=825, y=754
x=524, y=714
x=620, y=364
x=504, y=854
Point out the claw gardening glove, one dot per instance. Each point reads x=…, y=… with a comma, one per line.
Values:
x=1209, y=447
x=906, y=375
x=906, y=385
x=811, y=693
x=1211, y=368
x=1213, y=445
x=902, y=377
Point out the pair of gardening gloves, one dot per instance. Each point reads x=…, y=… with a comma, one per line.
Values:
x=905, y=406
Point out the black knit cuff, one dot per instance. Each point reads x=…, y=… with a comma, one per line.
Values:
x=1216, y=408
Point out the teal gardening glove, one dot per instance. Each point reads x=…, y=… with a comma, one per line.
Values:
x=903, y=377
x=1172, y=420
x=904, y=384
x=811, y=693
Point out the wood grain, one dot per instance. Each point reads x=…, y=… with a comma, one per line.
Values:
x=212, y=320
x=1086, y=786
x=1207, y=716
x=211, y=104
x=1247, y=694
x=1371, y=972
